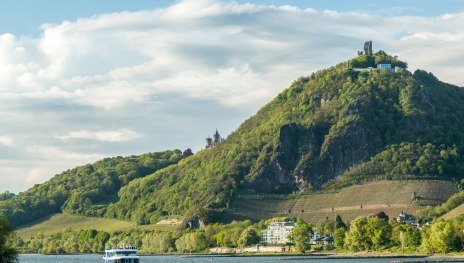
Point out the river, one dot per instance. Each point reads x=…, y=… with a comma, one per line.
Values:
x=180, y=259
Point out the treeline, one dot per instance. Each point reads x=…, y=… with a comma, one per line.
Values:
x=236, y=234
x=85, y=190
x=379, y=57
x=375, y=233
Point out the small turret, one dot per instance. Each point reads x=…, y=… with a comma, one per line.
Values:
x=211, y=142
x=216, y=137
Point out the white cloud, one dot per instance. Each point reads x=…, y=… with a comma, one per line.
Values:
x=104, y=136
x=176, y=73
x=6, y=140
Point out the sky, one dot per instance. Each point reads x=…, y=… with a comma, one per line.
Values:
x=85, y=80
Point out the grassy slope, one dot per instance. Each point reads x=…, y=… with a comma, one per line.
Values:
x=388, y=196
x=455, y=212
x=61, y=222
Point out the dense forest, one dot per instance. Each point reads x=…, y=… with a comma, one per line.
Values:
x=84, y=190
x=333, y=128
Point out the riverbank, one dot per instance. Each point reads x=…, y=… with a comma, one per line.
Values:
x=455, y=257
x=226, y=259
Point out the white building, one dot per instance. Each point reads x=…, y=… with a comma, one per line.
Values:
x=384, y=66
x=277, y=233
x=405, y=218
x=315, y=237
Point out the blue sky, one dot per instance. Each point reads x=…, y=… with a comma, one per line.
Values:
x=26, y=16
x=79, y=82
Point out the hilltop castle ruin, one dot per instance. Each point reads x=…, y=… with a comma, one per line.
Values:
x=367, y=49
x=211, y=142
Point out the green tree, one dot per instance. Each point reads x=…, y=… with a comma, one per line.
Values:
x=439, y=237
x=379, y=232
x=192, y=242
x=339, y=237
x=406, y=237
x=7, y=253
x=248, y=237
x=357, y=238
x=300, y=236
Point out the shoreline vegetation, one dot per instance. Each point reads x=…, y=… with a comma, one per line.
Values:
x=436, y=258
x=364, y=237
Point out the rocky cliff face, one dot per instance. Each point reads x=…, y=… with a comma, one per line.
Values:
x=309, y=157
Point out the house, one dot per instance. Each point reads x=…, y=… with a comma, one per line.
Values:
x=315, y=238
x=277, y=233
x=327, y=241
x=405, y=218
x=322, y=241
x=384, y=66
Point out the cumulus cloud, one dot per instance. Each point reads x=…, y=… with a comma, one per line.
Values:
x=174, y=74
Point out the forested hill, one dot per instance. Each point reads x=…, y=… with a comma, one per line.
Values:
x=84, y=190
x=334, y=128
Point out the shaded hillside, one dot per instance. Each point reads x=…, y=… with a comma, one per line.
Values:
x=84, y=190
x=337, y=124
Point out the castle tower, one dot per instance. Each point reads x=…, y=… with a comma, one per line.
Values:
x=209, y=143
x=216, y=138
x=368, y=48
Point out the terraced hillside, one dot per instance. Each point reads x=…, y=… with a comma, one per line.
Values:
x=350, y=202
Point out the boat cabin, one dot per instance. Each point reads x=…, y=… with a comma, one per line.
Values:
x=121, y=255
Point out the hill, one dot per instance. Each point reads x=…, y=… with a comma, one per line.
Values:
x=333, y=129
x=84, y=190
x=56, y=223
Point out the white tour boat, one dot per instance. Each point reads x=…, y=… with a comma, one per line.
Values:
x=121, y=255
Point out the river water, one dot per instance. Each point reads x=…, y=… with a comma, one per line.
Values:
x=180, y=259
